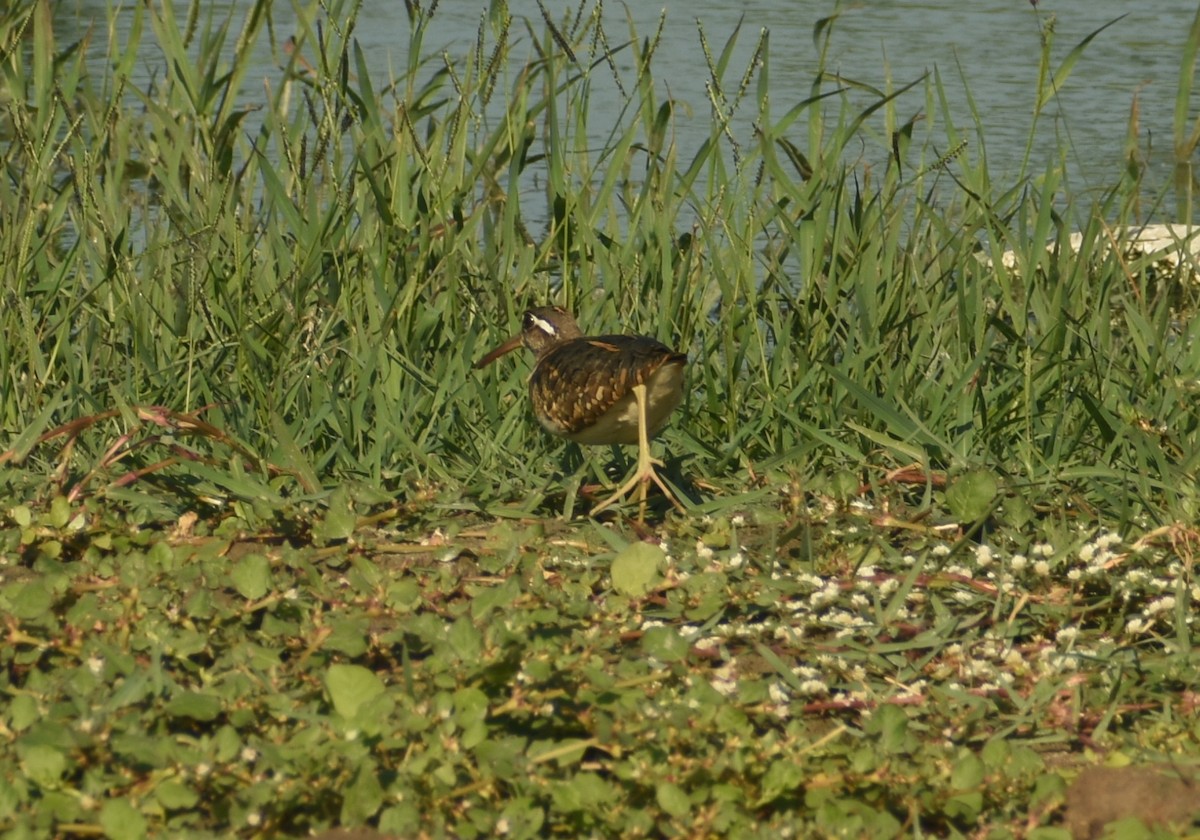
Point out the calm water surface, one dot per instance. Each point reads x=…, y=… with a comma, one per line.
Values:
x=989, y=48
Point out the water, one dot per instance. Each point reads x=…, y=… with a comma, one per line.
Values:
x=989, y=49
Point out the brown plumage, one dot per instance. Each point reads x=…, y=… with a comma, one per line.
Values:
x=617, y=389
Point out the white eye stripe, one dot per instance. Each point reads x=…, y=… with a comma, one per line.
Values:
x=544, y=325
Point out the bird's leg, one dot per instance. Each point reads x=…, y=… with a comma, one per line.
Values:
x=644, y=473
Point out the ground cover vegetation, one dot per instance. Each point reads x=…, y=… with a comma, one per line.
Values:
x=274, y=559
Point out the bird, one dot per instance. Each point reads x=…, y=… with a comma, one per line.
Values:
x=600, y=389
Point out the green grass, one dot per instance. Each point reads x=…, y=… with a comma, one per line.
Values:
x=275, y=558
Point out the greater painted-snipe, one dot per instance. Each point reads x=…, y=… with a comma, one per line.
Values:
x=615, y=389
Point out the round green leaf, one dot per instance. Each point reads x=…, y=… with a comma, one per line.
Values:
x=252, y=577
x=121, y=821
x=665, y=644
x=970, y=496
x=673, y=800
x=350, y=686
x=635, y=568
x=175, y=796
x=31, y=600
x=43, y=764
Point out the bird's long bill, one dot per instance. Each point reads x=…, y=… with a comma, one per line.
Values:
x=507, y=347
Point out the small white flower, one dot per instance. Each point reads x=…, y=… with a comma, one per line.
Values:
x=95, y=664
x=725, y=680
x=1041, y=568
x=814, y=687
x=737, y=520
x=1018, y=562
x=777, y=692
x=736, y=560
x=983, y=556
x=824, y=596
x=1164, y=604
x=253, y=819
x=249, y=754
x=940, y=550
x=725, y=688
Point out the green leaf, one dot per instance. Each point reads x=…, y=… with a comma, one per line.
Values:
x=121, y=821
x=673, y=800
x=31, y=600
x=251, y=576
x=175, y=796
x=192, y=704
x=290, y=455
x=970, y=496
x=1067, y=65
x=524, y=817
x=349, y=635
x=465, y=639
x=782, y=777
x=340, y=519
x=470, y=705
x=43, y=764
x=495, y=597
x=23, y=712
x=890, y=724
x=584, y=792
x=1018, y=512
x=350, y=686
x=60, y=512
x=565, y=752
x=635, y=568
x=665, y=644
x=967, y=776
x=403, y=595
x=364, y=796
x=967, y=773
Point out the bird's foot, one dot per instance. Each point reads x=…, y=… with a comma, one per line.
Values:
x=641, y=478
